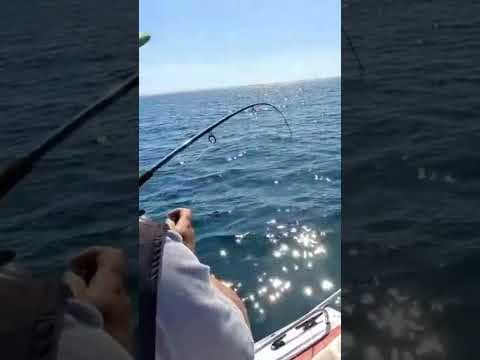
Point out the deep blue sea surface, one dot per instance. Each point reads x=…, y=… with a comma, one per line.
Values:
x=266, y=205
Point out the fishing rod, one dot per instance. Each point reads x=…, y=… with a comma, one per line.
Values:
x=149, y=173
x=361, y=68
x=21, y=167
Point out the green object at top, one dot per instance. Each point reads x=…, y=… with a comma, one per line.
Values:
x=143, y=38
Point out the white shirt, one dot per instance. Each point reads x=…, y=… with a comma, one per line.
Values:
x=195, y=321
x=83, y=336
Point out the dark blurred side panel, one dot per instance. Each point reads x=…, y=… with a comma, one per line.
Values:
x=411, y=189
x=56, y=58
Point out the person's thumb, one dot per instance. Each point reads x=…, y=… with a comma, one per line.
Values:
x=170, y=223
x=76, y=284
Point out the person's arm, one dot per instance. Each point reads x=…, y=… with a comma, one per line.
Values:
x=180, y=220
x=192, y=309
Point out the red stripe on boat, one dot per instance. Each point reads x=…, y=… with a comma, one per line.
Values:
x=317, y=347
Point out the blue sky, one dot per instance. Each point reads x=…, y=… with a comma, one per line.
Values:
x=200, y=44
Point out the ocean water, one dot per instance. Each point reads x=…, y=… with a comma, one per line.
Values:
x=266, y=204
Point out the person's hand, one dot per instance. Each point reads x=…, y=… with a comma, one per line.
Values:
x=97, y=275
x=180, y=220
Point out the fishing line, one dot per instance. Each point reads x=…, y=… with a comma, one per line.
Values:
x=195, y=160
x=21, y=167
x=149, y=173
x=361, y=68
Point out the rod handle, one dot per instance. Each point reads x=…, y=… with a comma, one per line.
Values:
x=14, y=172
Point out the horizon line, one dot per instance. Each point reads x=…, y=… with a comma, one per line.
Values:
x=238, y=86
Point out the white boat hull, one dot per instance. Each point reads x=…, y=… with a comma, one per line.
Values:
x=316, y=336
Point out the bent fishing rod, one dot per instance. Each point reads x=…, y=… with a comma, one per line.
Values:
x=149, y=173
x=21, y=167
